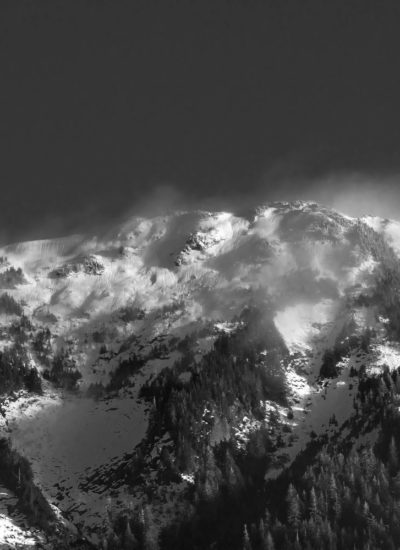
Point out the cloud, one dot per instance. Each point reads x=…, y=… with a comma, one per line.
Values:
x=353, y=193
x=357, y=194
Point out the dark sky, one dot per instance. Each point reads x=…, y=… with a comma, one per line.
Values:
x=101, y=102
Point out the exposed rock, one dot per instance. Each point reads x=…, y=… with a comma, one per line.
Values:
x=89, y=265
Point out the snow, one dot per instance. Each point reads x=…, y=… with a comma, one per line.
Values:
x=14, y=536
x=299, y=385
x=374, y=222
x=244, y=429
x=266, y=223
x=227, y=328
x=389, y=228
x=315, y=403
x=299, y=324
x=362, y=274
x=189, y=478
x=313, y=414
x=14, y=530
x=383, y=354
x=73, y=444
x=68, y=440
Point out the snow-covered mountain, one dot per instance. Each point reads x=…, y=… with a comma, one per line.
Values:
x=143, y=353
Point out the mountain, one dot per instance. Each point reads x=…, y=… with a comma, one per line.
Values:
x=187, y=380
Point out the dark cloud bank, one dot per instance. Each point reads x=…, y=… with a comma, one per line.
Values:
x=115, y=107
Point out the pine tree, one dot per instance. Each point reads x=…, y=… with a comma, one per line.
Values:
x=333, y=496
x=130, y=542
x=313, y=507
x=293, y=507
x=398, y=384
x=395, y=485
x=297, y=545
x=114, y=542
x=150, y=537
x=268, y=542
x=246, y=539
x=393, y=457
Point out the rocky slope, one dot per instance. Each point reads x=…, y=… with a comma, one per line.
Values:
x=175, y=359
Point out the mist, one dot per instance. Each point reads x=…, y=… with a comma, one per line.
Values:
x=355, y=194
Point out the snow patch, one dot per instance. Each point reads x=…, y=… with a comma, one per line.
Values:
x=14, y=530
x=384, y=354
x=298, y=385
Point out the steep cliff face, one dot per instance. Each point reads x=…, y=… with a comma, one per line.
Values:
x=176, y=358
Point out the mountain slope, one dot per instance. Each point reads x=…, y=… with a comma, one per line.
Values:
x=174, y=360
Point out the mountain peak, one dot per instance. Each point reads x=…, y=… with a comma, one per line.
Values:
x=225, y=321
